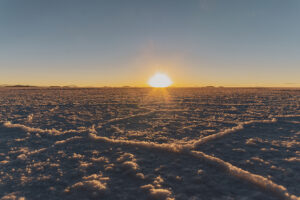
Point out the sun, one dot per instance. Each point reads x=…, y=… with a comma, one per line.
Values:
x=160, y=80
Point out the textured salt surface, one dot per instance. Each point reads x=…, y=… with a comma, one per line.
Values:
x=144, y=144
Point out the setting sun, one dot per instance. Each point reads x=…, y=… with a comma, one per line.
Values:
x=160, y=80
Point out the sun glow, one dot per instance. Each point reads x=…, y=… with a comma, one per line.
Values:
x=160, y=80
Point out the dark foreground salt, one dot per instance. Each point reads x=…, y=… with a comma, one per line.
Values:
x=149, y=144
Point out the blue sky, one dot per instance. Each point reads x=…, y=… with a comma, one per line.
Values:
x=110, y=42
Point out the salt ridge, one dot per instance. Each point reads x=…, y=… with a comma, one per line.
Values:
x=254, y=179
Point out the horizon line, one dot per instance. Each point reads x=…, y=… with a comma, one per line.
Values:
x=126, y=86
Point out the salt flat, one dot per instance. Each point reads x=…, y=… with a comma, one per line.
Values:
x=141, y=143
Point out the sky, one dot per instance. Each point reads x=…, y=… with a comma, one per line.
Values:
x=117, y=43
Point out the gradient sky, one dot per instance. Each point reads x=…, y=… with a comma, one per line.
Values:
x=118, y=42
